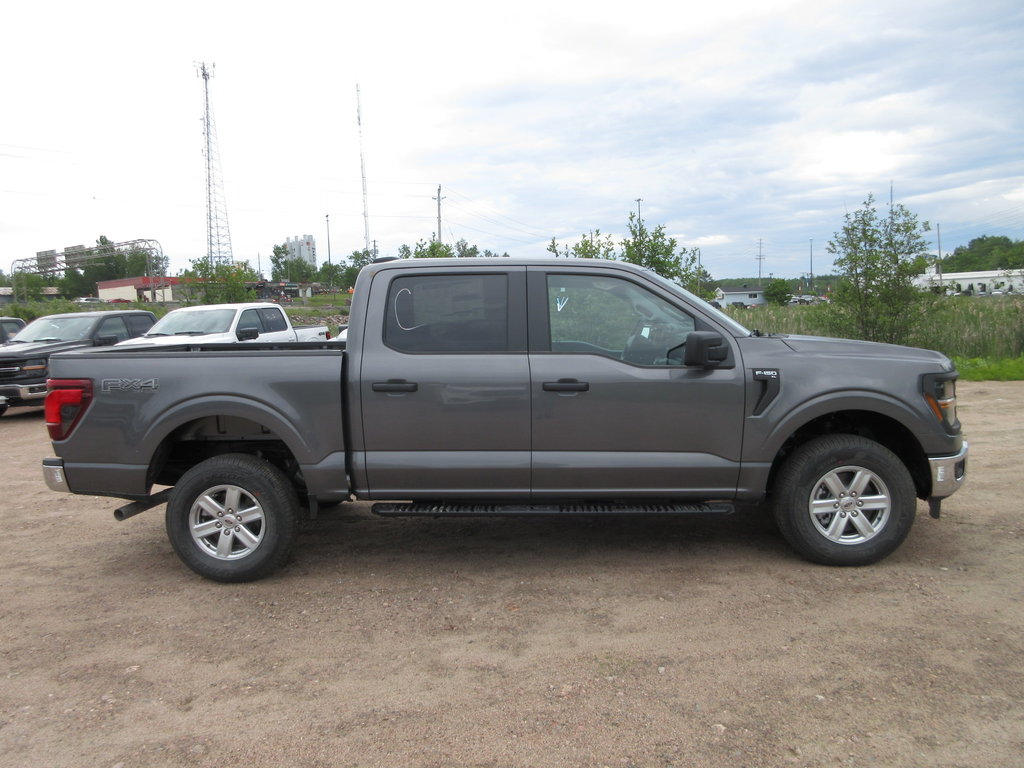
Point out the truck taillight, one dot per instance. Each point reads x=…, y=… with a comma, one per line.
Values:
x=66, y=402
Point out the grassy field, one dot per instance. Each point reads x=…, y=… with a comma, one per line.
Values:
x=984, y=335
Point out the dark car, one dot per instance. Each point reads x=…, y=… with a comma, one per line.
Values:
x=24, y=361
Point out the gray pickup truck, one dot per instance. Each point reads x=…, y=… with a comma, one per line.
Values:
x=511, y=386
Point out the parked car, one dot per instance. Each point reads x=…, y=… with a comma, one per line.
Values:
x=227, y=324
x=504, y=387
x=88, y=300
x=24, y=361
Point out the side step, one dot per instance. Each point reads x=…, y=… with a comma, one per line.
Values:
x=442, y=509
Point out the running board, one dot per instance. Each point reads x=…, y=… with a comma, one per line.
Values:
x=441, y=509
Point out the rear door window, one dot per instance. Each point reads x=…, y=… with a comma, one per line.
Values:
x=273, y=319
x=113, y=326
x=139, y=324
x=448, y=313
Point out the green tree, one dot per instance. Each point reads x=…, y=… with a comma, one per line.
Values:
x=590, y=246
x=777, y=292
x=278, y=258
x=331, y=274
x=878, y=258
x=464, y=250
x=645, y=248
x=356, y=262
x=220, y=283
x=27, y=286
x=985, y=253
x=435, y=249
x=360, y=259
x=286, y=268
x=658, y=252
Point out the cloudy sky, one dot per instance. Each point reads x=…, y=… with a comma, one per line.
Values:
x=742, y=126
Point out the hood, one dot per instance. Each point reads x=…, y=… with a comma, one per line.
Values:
x=867, y=350
x=37, y=348
x=166, y=341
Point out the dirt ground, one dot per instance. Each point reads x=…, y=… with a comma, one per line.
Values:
x=408, y=642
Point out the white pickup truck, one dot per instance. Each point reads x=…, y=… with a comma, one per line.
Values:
x=229, y=323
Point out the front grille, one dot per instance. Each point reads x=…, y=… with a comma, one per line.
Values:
x=11, y=372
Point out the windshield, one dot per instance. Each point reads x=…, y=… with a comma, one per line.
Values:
x=720, y=316
x=56, y=329
x=193, y=322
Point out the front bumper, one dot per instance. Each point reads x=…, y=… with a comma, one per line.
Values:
x=948, y=473
x=26, y=394
x=53, y=474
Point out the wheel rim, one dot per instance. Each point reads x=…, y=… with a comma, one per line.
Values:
x=226, y=522
x=850, y=505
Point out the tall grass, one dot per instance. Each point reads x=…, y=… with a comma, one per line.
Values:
x=960, y=326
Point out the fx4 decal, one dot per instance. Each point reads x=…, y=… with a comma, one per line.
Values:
x=130, y=385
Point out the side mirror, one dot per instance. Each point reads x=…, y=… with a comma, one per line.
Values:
x=705, y=349
x=104, y=341
x=247, y=334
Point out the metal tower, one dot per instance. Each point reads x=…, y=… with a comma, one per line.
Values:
x=218, y=236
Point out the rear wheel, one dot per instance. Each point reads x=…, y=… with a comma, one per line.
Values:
x=844, y=500
x=233, y=518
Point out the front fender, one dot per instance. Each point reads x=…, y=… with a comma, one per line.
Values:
x=768, y=433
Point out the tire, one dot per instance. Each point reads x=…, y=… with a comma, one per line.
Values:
x=3, y=410
x=233, y=518
x=844, y=500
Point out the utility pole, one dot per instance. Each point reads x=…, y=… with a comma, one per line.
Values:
x=938, y=263
x=362, y=168
x=760, y=261
x=439, y=199
x=638, y=201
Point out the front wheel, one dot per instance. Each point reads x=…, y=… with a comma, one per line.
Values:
x=233, y=518
x=844, y=500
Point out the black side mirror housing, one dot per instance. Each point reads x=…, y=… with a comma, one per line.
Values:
x=705, y=349
x=247, y=334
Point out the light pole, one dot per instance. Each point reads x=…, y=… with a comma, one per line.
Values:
x=330, y=270
x=810, y=281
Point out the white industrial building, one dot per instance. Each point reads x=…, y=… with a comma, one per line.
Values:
x=302, y=248
x=983, y=283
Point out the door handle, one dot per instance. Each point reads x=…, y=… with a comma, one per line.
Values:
x=395, y=385
x=566, y=385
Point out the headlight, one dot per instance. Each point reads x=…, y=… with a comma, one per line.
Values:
x=34, y=366
x=939, y=390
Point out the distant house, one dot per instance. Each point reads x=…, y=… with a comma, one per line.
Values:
x=8, y=295
x=743, y=297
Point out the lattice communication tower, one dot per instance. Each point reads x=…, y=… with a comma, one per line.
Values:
x=218, y=235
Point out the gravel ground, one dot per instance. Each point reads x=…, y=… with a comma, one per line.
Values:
x=625, y=642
